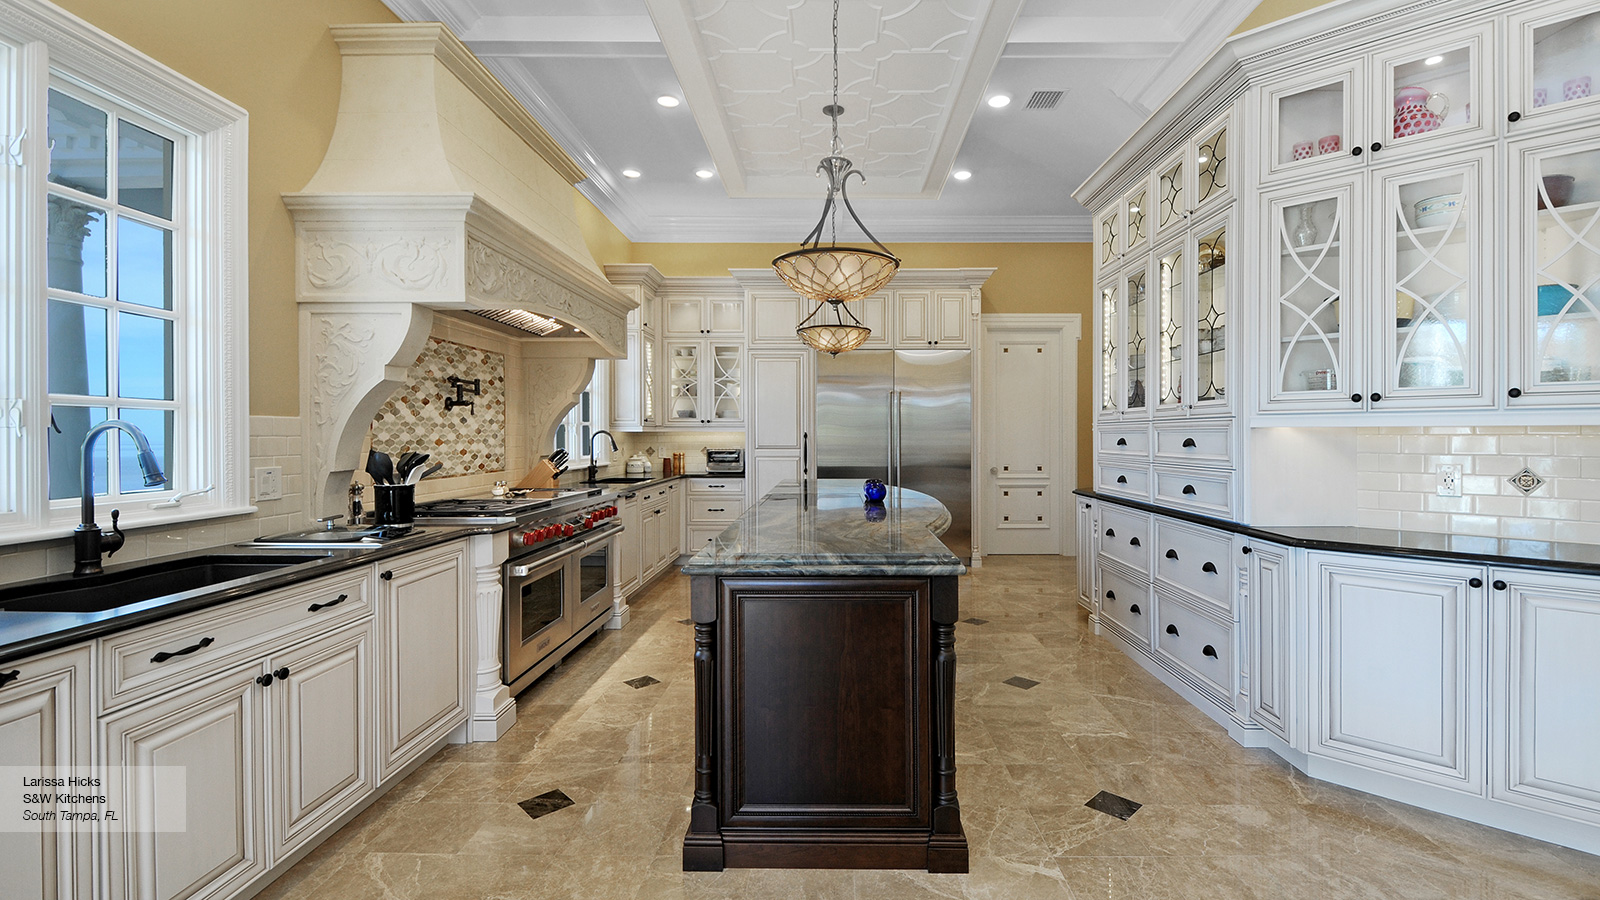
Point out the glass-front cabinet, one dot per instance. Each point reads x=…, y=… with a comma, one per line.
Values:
x=1191, y=309
x=1108, y=237
x=683, y=383
x=1307, y=359
x=1213, y=169
x=1553, y=61
x=1555, y=328
x=1209, y=375
x=1171, y=199
x=1137, y=215
x=1136, y=331
x=1110, y=349
x=704, y=383
x=1172, y=311
x=1310, y=122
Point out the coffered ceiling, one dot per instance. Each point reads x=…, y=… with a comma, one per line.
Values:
x=753, y=77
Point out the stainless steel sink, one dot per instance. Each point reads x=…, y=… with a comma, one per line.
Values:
x=96, y=593
x=619, y=479
x=338, y=536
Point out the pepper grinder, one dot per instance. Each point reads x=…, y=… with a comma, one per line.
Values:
x=357, y=490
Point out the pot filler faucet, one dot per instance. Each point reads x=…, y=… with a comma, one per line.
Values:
x=594, y=468
x=88, y=542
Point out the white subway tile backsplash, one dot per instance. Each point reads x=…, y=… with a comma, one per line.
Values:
x=1397, y=472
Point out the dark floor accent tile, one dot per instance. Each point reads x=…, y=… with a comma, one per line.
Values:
x=1112, y=805
x=976, y=621
x=545, y=804
x=1017, y=681
x=641, y=681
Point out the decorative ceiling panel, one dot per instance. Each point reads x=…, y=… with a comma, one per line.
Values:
x=757, y=74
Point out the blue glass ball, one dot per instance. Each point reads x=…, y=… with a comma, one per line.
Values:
x=874, y=489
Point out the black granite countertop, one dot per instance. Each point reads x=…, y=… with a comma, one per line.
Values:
x=1553, y=556
x=825, y=528
x=24, y=633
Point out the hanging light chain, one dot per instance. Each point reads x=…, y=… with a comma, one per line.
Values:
x=837, y=146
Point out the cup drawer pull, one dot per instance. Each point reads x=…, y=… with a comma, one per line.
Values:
x=1209, y=568
x=1189, y=443
x=1122, y=479
x=1172, y=630
x=1208, y=650
x=1122, y=442
x=1188, y=490
x=1172, y=554
x=1133, y=541
x=1135, y=610
x=1111, y=532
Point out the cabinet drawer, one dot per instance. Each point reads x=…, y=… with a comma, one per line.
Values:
x=1201, y=445
x=1206, y=492
x=718, y=486
x=715, y=509
x=1195, y=643
x=1124, y=441
x=1131, y=481
x=1125, y=537
x=1125, y=602
x=1195, y=559
x=145, y=661
x=701, y=535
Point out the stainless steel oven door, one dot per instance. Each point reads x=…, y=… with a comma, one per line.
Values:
x=540, y=608
x=597, y=566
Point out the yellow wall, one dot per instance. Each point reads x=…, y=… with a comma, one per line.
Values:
x=277, y=60
x=1272, y=10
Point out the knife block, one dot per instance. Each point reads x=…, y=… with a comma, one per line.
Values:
x=543, y=475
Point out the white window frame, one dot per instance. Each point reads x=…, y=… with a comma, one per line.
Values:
x=41, y=44
x=599, y=420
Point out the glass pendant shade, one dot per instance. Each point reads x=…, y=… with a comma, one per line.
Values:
x=834, y=337
x=821, y=274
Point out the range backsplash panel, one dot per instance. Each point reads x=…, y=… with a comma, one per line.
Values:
x=467, y=442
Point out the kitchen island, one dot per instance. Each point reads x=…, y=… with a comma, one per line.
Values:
x=825, y=684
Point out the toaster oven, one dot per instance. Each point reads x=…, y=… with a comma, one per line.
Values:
x=725, y=461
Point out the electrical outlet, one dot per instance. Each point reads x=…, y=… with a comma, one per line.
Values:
x=269, y=483
x=1449, y=481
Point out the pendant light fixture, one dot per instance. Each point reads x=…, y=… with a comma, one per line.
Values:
x=833, y=275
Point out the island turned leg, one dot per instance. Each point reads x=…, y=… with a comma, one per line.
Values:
x=702, y=844
x=947, y=846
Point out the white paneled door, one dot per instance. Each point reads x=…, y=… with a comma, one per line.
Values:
x=1028, y=460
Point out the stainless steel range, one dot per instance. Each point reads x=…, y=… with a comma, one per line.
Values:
x=559, y=579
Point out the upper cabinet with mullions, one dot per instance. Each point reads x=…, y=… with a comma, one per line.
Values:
x=1407, y=98
x=1192, y=310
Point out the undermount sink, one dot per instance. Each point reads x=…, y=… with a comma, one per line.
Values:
x=96, y=593
x=338, y=536
x=619, y=479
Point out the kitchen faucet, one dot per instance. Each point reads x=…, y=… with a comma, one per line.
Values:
x=594, y=468
x=88, y=542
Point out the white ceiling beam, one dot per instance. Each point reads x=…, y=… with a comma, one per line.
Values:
x=1073, y=30
x=564, y=29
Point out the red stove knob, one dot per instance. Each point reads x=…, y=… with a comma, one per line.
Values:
x=544, y=532
x=525, y=539
x=568, y=531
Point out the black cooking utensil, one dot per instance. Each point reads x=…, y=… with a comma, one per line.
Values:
x=385, y=468
x=431, y=469
x=404, y=465
x=377, y=463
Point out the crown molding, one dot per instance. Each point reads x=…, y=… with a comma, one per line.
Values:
x=927, y=229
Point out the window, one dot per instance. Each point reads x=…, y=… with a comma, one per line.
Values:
x=123, y=266
x=587, y=416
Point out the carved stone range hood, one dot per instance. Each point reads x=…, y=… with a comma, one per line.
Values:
x=438, y=192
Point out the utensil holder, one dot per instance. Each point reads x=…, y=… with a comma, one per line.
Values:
x=394, y=504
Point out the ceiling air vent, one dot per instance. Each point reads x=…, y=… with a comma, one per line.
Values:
x=1044, y=99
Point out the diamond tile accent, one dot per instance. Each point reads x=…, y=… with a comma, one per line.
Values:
x=641, y=682
x=1112, y=805
x=976, y=621
x=1017, y=681
x=466, y=442
x=1525, y=481
x=545, y=804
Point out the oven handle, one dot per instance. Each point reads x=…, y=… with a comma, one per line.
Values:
x=606, y=532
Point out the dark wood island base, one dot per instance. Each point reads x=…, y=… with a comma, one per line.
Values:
x=824, y=723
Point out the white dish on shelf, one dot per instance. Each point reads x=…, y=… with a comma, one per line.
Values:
x=1438, y=210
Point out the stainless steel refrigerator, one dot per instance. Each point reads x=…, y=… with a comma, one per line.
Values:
x=903, y=416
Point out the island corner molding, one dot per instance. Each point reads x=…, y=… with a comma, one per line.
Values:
x=404, y=218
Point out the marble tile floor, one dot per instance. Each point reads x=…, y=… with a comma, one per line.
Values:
x=1216, y=821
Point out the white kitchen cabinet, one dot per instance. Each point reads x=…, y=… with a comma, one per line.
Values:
x=652, y=531
x=211, y=732
x=696, y=316
x=1399, y=667
x=710, y=506
x=1552, y=55
x=320, y=718
x=1213, y=168
x=424, y=645
x=630, y=544
x=704, y=384
x=1084, y=564
x=672, y=534
x=1555, y=301
x=46, y=725
x=1545, y=628
x=1269, y=652
x=1193, y=309
x=932, y=318
x=778, y=433
x=633, y=378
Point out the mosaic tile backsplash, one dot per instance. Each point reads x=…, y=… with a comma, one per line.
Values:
x=467, y=442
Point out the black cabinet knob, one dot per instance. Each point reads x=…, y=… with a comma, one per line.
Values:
x=1475, y=582
x=1172, y=554
x=1355, y=151
x=1376, y=146
x=1208, y=650
x=1133, y=541
x=1514, y=393
x=1188, y=490
x=1375, y=397
x=386, y=575
x=1244, y=549
x=1499, y=585
x=1111, y=595
x=1211, y=568
x=1355, y=398
x=265, y=680
x=1189, y=442
x=1122, y=442
x=1111, y=532
x=1172, y=630
x=281, y=674
x=1514, y=116
x=1122, y=479
x=1135, y=610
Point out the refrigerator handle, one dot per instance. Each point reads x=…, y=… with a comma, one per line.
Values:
x=805, y=455
x=899, y=434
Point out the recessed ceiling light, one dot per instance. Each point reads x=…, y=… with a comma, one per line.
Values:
x=667, y=100
x=630, y=173
x=999, y=100
x=962, y=175
x=1433, y=60
x=704, y=173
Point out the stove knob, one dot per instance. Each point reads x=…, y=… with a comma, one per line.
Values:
x=567, y=530
x=543, y=533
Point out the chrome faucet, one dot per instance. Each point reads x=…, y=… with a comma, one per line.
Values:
x=88, y=542
x=594, y=468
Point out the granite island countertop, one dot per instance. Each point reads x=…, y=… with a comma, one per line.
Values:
x=825, y=528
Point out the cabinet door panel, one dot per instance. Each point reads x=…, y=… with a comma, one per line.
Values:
x=952, y=309
x=914, y=314
x=1310, y=325
x=1554, y=52
x=1270, y=651
x=1401, y=669
x=423, y=669
x=45, y=718
x=1110, y=374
